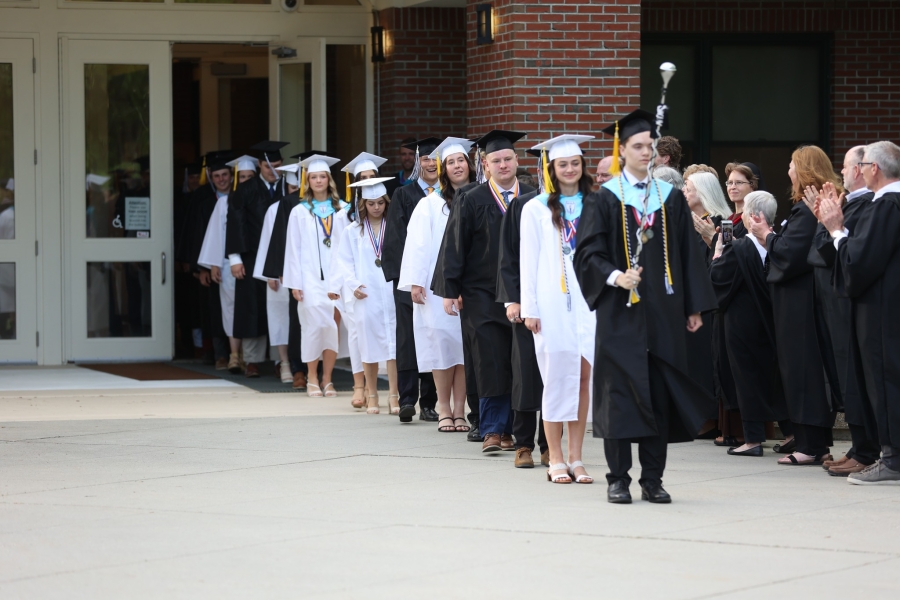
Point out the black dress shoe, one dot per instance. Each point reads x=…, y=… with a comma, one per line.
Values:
x=755, y=451
x=787, y=448
x=617, y=493
x=428, y=414
x=653, y=492
x=475, y=434
x=728, y=440
x=407, y=412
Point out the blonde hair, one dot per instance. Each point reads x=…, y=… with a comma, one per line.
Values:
x=332, y=191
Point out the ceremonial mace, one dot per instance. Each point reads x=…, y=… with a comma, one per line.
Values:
x=667, y=71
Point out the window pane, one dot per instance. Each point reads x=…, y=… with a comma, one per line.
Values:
x=118, y=299
x=680, y=97
x=765, y=93
x=7, y=301
x=295, y=96
x=159, y=1
x=117, y=150
x=7, y=166
x=224, y=2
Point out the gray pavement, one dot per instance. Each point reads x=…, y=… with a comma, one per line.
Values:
x=357, y=506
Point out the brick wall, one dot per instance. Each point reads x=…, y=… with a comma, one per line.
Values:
x=866, y=54
x=423, y=78
x=555, y=66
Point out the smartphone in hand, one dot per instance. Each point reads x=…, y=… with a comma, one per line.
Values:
x=727, y=229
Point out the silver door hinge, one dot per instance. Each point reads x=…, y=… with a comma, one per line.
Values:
x=35, y=247
x=37, y=339
x=33, y=64
x=35, y=156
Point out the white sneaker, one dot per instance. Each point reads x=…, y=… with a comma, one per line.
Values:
x=875, y=474
x=286, y=375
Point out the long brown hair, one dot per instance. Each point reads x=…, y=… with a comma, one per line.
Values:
x=332, y=191
x=585, y=186
x=363, y=215
x=447, y=191
x=813, y=167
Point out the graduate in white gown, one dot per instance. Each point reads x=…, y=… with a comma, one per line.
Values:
x=212, y=256
x=277, y=295
x=314, y=224
x=364, y=166
x=552, y=304
x=438, y=335
x=367, y=296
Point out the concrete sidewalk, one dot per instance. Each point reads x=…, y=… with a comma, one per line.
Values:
x=282, y=496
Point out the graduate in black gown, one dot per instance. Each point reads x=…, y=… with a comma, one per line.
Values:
x=837, y=326
x=469, y=265
x=867, y=269
x=413, y=385
x=738, y=272
x=527, y=386
x=247, y=207
x=642, y=388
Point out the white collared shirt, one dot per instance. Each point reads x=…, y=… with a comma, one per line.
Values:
x=632, y=180
x=763, y=252
x=857, y=193
x=893, y=187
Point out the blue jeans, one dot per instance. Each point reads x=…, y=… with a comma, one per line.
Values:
x=495, y=415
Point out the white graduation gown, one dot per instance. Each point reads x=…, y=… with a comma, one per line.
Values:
x=277, y=302
x=307, y=266
x=438, y=335
x=566, y=335
x=374, y=317
x=336, y=280
x=212, y=254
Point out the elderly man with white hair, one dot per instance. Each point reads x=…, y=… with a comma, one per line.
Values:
x=738, y=273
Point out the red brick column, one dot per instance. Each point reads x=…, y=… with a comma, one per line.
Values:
x=555, y=66
x=423, y=79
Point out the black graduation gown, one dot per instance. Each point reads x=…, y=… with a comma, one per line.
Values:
x=867, y=269
x=656, y=325
x=745, y=304
x=700, y=342
x=247, y=207
x=835, y=316
x=469, y=262
x=527, y=385
x=274, y=269
x=723, y=380
x=794, y=312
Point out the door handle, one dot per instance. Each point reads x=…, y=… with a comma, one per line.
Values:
x=164, y=268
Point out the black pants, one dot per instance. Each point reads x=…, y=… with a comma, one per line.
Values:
x=414, y=386
x=890, y=456
x=811, y=439
x=652, y=450
x=754, y=432
x=525, y=424
x=863, y=449
x=294, y=355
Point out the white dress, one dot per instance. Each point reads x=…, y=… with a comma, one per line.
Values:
x=212, y=254
x=566, y=335
x=277, y=302
x=438, y=335
x=374, y=317
x=336, y=280
x=307, y=266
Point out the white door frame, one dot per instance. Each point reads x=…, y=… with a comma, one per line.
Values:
x=312, y=51
x=78, y=248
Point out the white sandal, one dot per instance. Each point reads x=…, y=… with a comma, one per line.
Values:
x=562, y=477
x=313, y=391
x=580, y=478
x=332, y=393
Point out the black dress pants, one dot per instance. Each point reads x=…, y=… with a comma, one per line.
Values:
x=863, y=449
x=414, y=386
x=294, y=337
x=811, y=439
x=652, y=451
x=525, y=424
x=754, y=432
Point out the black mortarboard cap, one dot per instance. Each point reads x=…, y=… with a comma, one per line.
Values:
x=533, y=152
x=305, y=155
x=269, y=149
x=194, y=169
x=759, y=185
x=218, y=160
x=424, y=146
x=635, y=122
x=499, y=139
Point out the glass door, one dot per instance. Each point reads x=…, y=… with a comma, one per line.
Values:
x=297, y=97
x=118, y=204
x=18, y=242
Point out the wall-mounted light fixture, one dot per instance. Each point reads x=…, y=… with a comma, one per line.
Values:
x=377, y=44
x=484, y=24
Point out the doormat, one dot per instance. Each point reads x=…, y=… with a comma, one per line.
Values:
x=156, y=371
x=268, y=383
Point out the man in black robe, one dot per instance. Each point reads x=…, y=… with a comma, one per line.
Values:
x=836, y=328
x=412, y=384
x=867, y=269
x=642, y=388
x=527, y=385
x=468, y=266
x=738, y=273
x=206, y=307
x=247, y=207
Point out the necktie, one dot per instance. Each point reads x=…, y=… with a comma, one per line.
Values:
x=506, y=196
x=271, y=190
x=640, y=185
x=429, y=190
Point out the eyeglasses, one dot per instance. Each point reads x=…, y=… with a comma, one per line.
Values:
x=862, y=164
x=734, y=183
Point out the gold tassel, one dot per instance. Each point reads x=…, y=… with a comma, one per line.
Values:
x=302, y=182
x=548, y=185
x=349, y=189
x=203, y=180
x=614, y=169
x=234, y=185
x=439, y=167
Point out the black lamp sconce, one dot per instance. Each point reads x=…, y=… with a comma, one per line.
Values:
x=484, y=24
x=377, y=44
